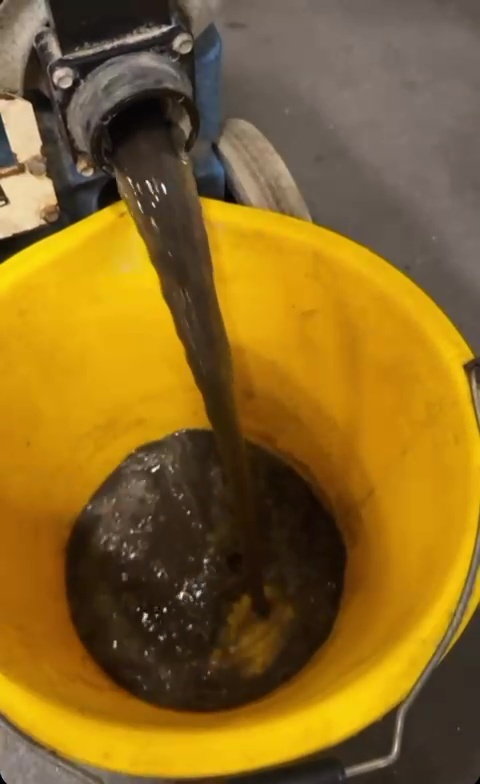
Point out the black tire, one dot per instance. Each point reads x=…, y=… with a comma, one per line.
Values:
x=256, y=174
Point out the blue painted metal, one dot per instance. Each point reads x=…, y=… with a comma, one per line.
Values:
x=7, y=158
x=79, y=196
x=208, y=70
x=208, y=64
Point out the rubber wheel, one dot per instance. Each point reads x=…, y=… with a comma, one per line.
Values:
x=256, y=174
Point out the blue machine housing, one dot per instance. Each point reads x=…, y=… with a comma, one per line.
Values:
x=79, y=196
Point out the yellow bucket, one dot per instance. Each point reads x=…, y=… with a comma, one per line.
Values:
x=341, y=363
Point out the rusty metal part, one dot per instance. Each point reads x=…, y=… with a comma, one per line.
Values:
x=11, y=171
x=50, y=213
x=36, y=165
x=85, y=166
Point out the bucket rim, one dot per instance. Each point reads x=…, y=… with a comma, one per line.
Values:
x=299, y=731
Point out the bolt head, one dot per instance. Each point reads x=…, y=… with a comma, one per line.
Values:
x=63, y=77
x=50, y=213
x=85, y=166
x=182, y=43
x=36, y=165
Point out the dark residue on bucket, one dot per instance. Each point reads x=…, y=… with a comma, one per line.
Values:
x=154, y=577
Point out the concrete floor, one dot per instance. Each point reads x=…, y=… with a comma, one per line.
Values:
x=375, y=105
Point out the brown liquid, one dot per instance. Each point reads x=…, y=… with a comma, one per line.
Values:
x=160, y=190
x=154, y=576
x=202, y=574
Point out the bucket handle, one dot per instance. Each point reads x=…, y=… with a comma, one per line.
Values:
x=330, y=771
x=472, y=369
x=314, y=771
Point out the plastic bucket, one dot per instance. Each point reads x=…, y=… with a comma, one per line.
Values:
x=342, y=363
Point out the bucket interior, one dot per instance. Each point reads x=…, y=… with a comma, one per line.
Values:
x=342, y=365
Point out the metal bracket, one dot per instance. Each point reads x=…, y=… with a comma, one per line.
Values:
x=21, y=20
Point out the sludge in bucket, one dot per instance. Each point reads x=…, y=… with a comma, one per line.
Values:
x=342, y=364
